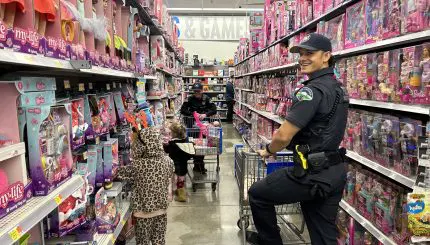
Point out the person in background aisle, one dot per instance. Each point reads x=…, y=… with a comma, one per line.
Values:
x=150, y=175
x=313, y=130
x=229, y=97
x=200, y=103
x=180, y=151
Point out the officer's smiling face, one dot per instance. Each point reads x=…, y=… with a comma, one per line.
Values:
x=198, y=94
x=312, y=61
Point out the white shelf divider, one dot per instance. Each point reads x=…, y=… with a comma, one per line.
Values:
x=265, y=114
x=366, y=224
x=406, y=181
x=109, y=239
x=425, y=110
x=11, y=151
x=268, y=70
x=26, y=217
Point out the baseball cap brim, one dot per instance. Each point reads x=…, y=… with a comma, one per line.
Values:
x=297, y=48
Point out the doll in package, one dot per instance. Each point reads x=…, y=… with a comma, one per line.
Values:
x=355, y=26
x=106, y=212
x=391, y=22
x=373, y=20
x=410, y=130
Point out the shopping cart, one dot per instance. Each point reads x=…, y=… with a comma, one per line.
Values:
x=207, y=138
x=250, y=168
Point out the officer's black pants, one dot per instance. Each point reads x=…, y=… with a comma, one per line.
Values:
x=230, y=105
x=280, y=188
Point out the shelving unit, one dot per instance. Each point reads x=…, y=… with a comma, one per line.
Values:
x=265, y=114
x=17, y=223
x=366, y=224
x=243, y=118
x=418, y=109
x=205, y=77
x=406, y=181
x=10, y=151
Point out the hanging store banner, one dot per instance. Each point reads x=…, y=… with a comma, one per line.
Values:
x=207, y=28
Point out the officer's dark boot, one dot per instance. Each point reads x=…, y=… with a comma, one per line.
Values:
x=252, y=238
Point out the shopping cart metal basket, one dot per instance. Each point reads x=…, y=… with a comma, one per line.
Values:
x=250, y=168
x=207, y=138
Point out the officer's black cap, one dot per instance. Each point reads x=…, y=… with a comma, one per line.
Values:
x=197, y=87
x=313, y=42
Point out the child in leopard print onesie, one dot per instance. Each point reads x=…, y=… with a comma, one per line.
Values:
x=149, y=174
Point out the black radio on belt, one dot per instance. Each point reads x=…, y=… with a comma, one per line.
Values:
x=313, y=163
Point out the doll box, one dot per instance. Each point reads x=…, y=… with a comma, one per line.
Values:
x=50, y=157
x=16, y=195
x=107, y=215
x=79, y=126
x=120, y=109
x=99, y=176
x=35, y=84
x=110, y=158
x=57, y=48
x=45, y=98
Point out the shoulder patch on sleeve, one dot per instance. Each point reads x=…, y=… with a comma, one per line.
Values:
x=304, y=94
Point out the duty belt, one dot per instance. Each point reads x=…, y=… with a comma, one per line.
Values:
x=309, y=162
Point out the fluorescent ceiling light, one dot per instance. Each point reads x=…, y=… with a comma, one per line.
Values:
x=214, y=10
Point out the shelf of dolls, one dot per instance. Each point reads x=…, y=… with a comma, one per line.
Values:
x=425, y=110
x=108, y=72
x=166, y=72
x=366, y=224
x=243, y=118
x=205, y=77
x=17, y=223
x=11, y=151
x=109, y=239
x=310, y=25
x=265, y=114
x=385, y=44
x=409, y=182
x=270, y=70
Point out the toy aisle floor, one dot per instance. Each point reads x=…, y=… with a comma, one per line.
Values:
x=209, y=218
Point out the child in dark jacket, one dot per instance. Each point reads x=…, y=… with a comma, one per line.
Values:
x=180, y=151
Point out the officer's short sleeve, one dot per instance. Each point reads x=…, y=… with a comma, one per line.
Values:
x=306, y=102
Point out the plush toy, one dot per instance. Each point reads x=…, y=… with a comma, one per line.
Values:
x=4, y=181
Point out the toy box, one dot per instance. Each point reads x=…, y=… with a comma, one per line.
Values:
x=335, y=32
x=42, y=98
x=158, y=51
x=355, y=25
x=348, y=193
x=104, y=107
x=49, y=149
x=368, y=133
x=382, y=92
x=394, y=86
x=119, y=106
x=35, y=84
x=99, y=176
x=410, y=130
x=392, y=18
x=415, y=16
x=92, y=117
x=107, y=215
x=112, y=111
x=79, y=126
x=344, y=224
x=374, y=19
x=365, y=197
x=390, y=134
x=110, y=159
x=385, y=207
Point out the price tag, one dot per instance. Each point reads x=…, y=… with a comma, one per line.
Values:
x=58, y=64
x=107, y=86
x=58, y=199
x=15, y=233
x=66, y=84
x=114, y=85
x=113, y=239
x=81, y=87
x=97, y=140
x=84, y=155
x=123, y=222
x=90, y=85
x=29, y=59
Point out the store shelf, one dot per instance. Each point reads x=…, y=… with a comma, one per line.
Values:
x=150, y=77
x=170, y=115
x=243, y=118
x=270, y=70
x=208, y=92
x=156, y=97
x=407, y=39
x=366, y=224
x=17, y=223
x=310, y=25
x=115, y=190
x=203, y=77
x=108, y=72
x=265, y=114
x=167, y=72
x=425, y=110
x=408, y=182
x=11, y=151
x=109, y=239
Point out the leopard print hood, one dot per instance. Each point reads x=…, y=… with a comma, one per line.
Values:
x=149, y=144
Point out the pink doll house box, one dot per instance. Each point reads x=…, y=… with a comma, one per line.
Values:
x=49, y=132
x=15, y=187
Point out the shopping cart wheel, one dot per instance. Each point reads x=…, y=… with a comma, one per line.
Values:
x=194, y=187
x=246, y=221
x=213, y=186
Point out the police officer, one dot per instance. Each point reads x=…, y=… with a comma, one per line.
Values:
x=200, y=103
x=313, y=130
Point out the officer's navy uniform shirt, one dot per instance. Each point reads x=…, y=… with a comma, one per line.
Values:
x=310, y=110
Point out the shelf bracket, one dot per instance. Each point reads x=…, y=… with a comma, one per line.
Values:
x=81, y=64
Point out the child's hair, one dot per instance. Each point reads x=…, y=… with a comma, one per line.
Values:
x=178, y=130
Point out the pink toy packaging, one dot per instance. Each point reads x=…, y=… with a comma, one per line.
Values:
x=365, y=197
x=344, y=225
x=318, y=6
x=374, y=19
x=104, y=108
x=409, y=75
x=49, y=150
x=112, y=112
x=425, y=69
x=355, y=25
x=327, y=5
x=371, y=72
x=348, y=194
x=415, y=15
x=387, y=198
x=357, y=130
x=335, y=33
x=392, y=18
x=382, y=92
x=390, y=135
x=368, y=132
x=394, y=86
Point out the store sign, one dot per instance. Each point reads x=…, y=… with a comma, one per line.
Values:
x=213, y=27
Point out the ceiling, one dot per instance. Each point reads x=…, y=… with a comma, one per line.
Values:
x=214, y=3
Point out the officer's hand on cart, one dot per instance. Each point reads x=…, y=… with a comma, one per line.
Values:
x=264, y=153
